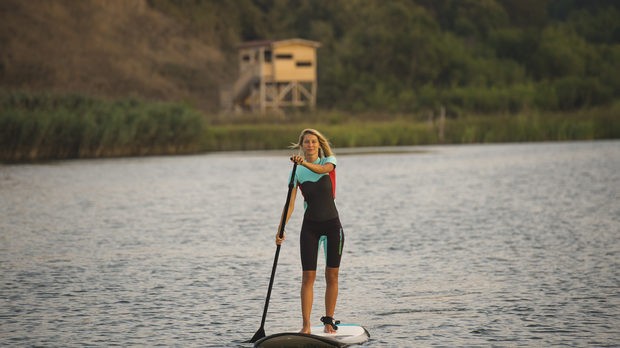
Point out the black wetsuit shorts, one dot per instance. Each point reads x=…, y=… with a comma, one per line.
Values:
x=329, y=234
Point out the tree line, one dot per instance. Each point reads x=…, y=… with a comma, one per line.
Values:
x=482, y=56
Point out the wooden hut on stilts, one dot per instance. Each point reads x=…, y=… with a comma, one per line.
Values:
x=275, y=75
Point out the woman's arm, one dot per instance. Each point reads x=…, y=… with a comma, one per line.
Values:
x=289, y=212
x=317, y=168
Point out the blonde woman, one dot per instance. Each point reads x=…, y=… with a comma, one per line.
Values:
x=316, y=178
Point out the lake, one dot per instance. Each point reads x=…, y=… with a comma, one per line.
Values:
x=446, y=246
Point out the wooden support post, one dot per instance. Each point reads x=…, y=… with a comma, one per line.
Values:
x=262, y=83
x=313, y=97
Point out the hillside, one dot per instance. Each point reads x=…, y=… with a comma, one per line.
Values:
x=84, y=78
x=399, y=56
x=109, y=48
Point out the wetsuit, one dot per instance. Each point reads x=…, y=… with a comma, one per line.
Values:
x=321, y=223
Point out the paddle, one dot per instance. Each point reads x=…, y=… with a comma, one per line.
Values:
x=261, y=331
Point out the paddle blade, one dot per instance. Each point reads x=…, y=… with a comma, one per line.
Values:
x=258, y=335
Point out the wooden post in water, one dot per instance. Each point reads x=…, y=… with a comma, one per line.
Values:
x=442, y=123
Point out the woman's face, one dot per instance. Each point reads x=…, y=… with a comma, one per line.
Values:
x=311, y=145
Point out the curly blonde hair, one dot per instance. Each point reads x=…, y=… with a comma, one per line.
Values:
x=325, y=150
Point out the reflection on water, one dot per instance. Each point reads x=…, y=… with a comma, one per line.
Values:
x=499, y=245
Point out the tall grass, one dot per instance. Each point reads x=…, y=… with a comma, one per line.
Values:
x=599, y=123
x=43, y=126
x=348, y=134
x=347, y=130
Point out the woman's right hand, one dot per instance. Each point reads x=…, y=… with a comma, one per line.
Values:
x=278, y=239
x=297, y=159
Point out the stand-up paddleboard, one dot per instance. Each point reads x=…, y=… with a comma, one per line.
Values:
x=346, y=335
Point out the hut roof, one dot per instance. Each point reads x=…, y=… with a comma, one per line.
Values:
x=275, y=43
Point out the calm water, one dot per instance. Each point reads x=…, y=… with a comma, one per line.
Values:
x=494, y=245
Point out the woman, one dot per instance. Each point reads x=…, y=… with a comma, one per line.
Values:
x=316, y=178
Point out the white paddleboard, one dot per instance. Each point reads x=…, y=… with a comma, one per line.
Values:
x=346, y=335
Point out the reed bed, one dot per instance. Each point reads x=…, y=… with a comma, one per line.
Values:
x=349, y=131
x=601, y=123
x=42, y=126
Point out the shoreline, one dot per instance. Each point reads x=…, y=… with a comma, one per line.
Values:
x=340, y=152
x=57, y=129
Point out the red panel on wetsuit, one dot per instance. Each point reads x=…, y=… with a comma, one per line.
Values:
x=332, y=177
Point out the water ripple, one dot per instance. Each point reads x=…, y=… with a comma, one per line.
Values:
x=477, y=246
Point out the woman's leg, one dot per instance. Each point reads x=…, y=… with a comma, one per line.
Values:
x=335, y=242
x=307, y=293
x=331, y=294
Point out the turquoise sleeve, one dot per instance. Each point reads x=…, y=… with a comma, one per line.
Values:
x=330, y=159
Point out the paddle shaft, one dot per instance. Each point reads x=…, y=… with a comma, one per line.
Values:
x=261, y=331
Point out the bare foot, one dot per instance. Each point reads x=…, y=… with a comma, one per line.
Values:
x=329, y=329
x=305, y=330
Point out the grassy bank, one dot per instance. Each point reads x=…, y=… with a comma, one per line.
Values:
x=345, y=130
x=42, y=126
